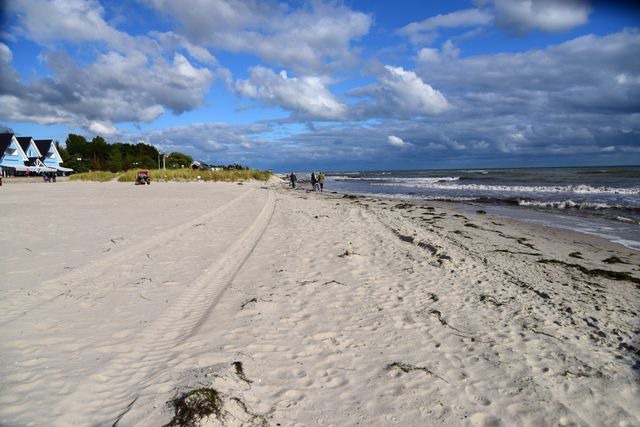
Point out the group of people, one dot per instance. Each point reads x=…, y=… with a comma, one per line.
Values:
x=49, y=176
x=317, y=180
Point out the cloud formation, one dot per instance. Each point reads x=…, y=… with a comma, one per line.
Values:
x=128, y=79
x=578, y=98
x=400, y=93
x=581, y=75
x=427, y=30
x=116, y=88
x=310, y=40
x=397, y=141
x=521, y=16
x=216, y=143
x=305, y=96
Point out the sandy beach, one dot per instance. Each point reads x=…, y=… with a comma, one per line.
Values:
x=306, y=309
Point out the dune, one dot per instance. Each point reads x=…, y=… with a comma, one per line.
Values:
x=264, y=305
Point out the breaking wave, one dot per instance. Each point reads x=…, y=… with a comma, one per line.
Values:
x=566, y=204
x=449, y=184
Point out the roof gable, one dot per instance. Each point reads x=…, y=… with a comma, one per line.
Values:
x=48, y=149
x=10, y=147
x=5, y=139
x=43, y=145
x=29, y=146
x=24, y=142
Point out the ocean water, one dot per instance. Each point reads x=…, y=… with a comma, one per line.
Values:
x=603, y=201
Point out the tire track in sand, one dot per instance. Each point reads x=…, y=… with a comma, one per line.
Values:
x=107, y=395
x=54, y=288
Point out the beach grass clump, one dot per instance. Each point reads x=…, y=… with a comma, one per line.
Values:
x=98, y=176
x=195, y=406
x=188, y=174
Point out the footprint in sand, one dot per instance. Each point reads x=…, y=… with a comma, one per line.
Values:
x=476, y=397
x=305, y=382
x=482, y=419
x=331, y=378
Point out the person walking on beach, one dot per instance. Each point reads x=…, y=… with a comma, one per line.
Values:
x=321, y=180
x=314, y=181
x=293, y=178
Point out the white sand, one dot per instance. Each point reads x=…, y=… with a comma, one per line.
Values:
x=115, y=299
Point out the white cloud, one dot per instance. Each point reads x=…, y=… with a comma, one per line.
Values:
x=426, y=30
x=102, y=128
x=73, y=20
x=450, y=50
x=172, y=41
x=397, y=141
x=521, y=16
x=428, y=54
x=306, y=96
x=399, y=93
x=408, y=92
x=624, y=79
x=6, y=56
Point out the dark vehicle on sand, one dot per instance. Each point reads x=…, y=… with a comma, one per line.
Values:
x=143, y=177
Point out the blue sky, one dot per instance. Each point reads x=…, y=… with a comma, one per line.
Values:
x=331, y=85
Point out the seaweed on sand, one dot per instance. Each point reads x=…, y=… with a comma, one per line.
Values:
x=196, y=405
x=607, y=274
x=247, y=302
x=406, y=368
x=517, y=253
x=240, y=372
x=403, y=206
x=490, y=299
x=614, y=260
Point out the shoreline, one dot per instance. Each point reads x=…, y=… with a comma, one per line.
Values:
x=310, y=308
x=587, y=225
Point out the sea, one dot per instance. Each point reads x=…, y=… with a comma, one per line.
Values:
x=602, y=201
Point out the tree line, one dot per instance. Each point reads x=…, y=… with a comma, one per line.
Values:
x=97, y=155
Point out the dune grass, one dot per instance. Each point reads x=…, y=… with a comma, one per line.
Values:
x=159, y=175
x=99, y=176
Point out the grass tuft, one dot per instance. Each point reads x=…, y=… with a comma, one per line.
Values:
x=186, y=175
x=99, y=176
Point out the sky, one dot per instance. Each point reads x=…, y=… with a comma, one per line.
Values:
x=331, y=85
